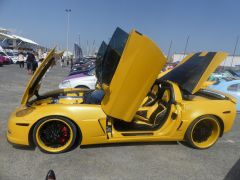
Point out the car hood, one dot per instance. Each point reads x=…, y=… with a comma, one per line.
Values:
x=130, y=66
x=194, y=70
x=35, y=82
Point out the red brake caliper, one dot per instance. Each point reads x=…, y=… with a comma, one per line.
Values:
x=63, y=138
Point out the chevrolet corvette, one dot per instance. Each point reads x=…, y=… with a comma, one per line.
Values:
x=132, y=104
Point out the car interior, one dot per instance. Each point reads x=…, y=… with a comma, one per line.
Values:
x=154, y=111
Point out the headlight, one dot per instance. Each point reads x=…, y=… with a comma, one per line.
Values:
x=66, y=84
x=25, y=111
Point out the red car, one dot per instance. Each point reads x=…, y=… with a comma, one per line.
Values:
x=6, y=59
x=2, y=60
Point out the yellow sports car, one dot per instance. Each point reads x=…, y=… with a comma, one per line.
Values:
x=132, y=104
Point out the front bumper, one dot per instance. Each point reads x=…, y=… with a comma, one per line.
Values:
x=18, y=130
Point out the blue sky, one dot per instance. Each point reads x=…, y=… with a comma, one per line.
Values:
x=212, y=25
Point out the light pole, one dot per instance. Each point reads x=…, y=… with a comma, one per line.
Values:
x=68, y=14
x=235, y=47
x=185, y=49
x=169, y=51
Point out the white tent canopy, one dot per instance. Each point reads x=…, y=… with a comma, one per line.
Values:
x=24, y=39
x=3, y=35
x=16, y=37
x=67, y=54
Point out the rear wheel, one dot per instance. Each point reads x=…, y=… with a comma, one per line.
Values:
x=203, y=132
x=54, y=134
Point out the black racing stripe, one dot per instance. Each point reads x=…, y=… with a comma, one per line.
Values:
x=188, y=74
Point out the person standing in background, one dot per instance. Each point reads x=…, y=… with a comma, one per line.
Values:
x=21, y=60
x=62, y=61
x=71, y=62
x=35, y=62
x=67, y=61
x=44, y=55
x=30, y=61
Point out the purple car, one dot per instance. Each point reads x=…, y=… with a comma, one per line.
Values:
x=82, y=80
x=5, y=60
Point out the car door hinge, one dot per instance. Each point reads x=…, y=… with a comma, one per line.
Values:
x=109, y=127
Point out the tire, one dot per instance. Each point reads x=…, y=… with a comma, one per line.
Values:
x=83, y=87
x=54, y=134
x=203, y=132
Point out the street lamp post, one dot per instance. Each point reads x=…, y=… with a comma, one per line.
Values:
x=68, y=14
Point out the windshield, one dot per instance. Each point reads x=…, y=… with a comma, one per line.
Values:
x=2, y=54
x=112, y=55
x=92, y=72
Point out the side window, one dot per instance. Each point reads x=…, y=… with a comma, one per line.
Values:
x=234, y=87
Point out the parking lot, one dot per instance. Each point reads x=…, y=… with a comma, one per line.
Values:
x=126, y=161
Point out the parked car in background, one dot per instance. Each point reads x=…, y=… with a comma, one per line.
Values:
x=229, y=87
x=234, y=73
x=79, y=81
x=225, y=74
x=83, y=80
x=82, y=61
x=5, y=58
x=13, y=56
x=1, y=60
x=82, y=69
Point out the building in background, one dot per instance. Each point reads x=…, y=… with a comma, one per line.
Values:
x=8, y=40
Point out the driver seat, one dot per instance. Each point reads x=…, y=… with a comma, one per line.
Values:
x=155, y=115
x=152, y=96
x=159, y=114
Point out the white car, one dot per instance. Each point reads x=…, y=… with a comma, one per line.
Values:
x=13, y=56
x=79, y=81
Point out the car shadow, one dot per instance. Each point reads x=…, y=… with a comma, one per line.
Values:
x=234, y=173
x=32, y=148
x=22, y=147
x=184, y=143
x=128, y=144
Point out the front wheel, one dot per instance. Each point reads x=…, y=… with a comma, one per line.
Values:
x=203, y=132
x=54, y=134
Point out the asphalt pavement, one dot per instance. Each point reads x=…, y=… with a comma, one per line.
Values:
x=122, y=161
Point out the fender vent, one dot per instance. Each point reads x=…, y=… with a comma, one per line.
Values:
x=22, y=124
